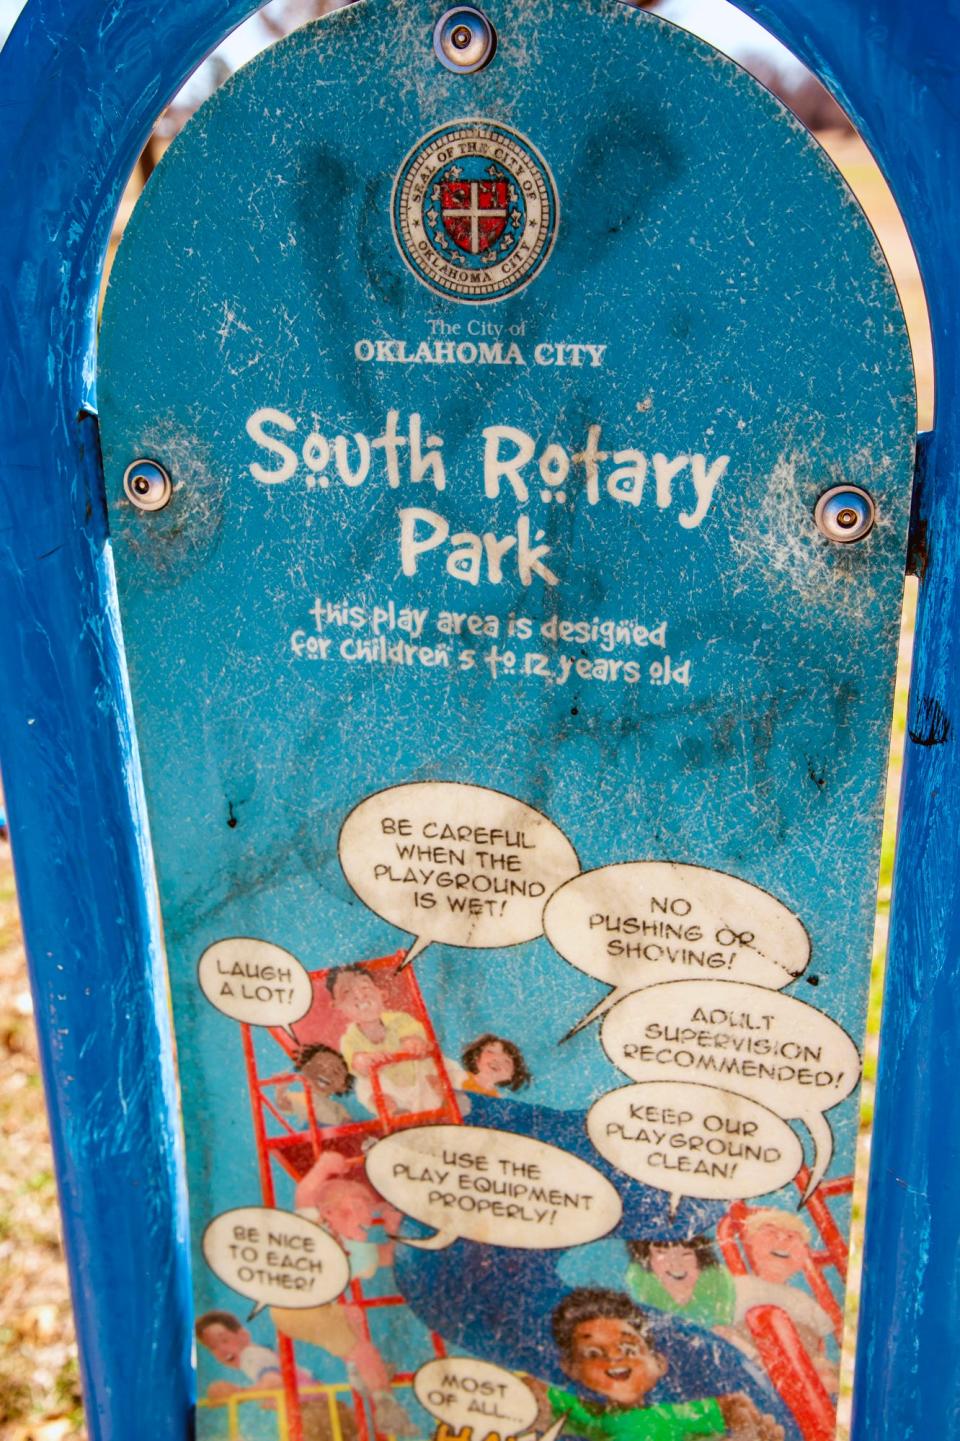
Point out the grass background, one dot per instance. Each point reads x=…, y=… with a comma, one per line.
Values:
x=39, y=1388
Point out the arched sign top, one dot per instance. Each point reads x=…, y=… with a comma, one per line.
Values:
x=696, y=264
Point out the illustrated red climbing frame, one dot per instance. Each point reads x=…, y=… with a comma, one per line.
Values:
x=296, y=1150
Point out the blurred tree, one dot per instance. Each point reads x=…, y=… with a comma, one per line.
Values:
x=786, y=77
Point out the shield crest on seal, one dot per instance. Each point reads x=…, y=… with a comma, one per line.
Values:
x=474, y=212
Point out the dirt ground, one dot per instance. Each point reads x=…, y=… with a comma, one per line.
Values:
x=39, y=1389
x=39, y=1393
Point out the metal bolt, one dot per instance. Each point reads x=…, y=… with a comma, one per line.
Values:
x=464, y=40
x=147, y=485
x=845, y=513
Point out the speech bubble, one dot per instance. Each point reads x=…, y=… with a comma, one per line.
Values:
x=694, y=1140
x=255, y=981
x=492, y=1186
x=774, y=1049
x=476, y=1397
x=275, y=1258
x=641, y=923
x=464, y=1392
x=455, y=863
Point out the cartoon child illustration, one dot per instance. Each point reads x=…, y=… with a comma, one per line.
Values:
x=374, y=1031
x=349, y=1210
x=230, y=1342
x=491, y=1062
x=686, y=1279
x=326, y=1076
x=232, y=1345
x=605, y=1348
x=777, y=1244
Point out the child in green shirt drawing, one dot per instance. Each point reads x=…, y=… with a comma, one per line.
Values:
x=605, y=1348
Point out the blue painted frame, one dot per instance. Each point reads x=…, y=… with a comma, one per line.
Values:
x=81, y=82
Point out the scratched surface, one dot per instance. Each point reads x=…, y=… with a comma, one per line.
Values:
x=715, y=314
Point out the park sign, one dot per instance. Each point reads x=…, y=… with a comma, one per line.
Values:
x=508, y=468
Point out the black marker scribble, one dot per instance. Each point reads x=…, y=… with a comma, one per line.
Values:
x=933, y=724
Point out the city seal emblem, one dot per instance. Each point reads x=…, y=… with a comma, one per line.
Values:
x=475, y=211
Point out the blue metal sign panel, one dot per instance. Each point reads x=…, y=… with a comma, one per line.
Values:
x=513, y=708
